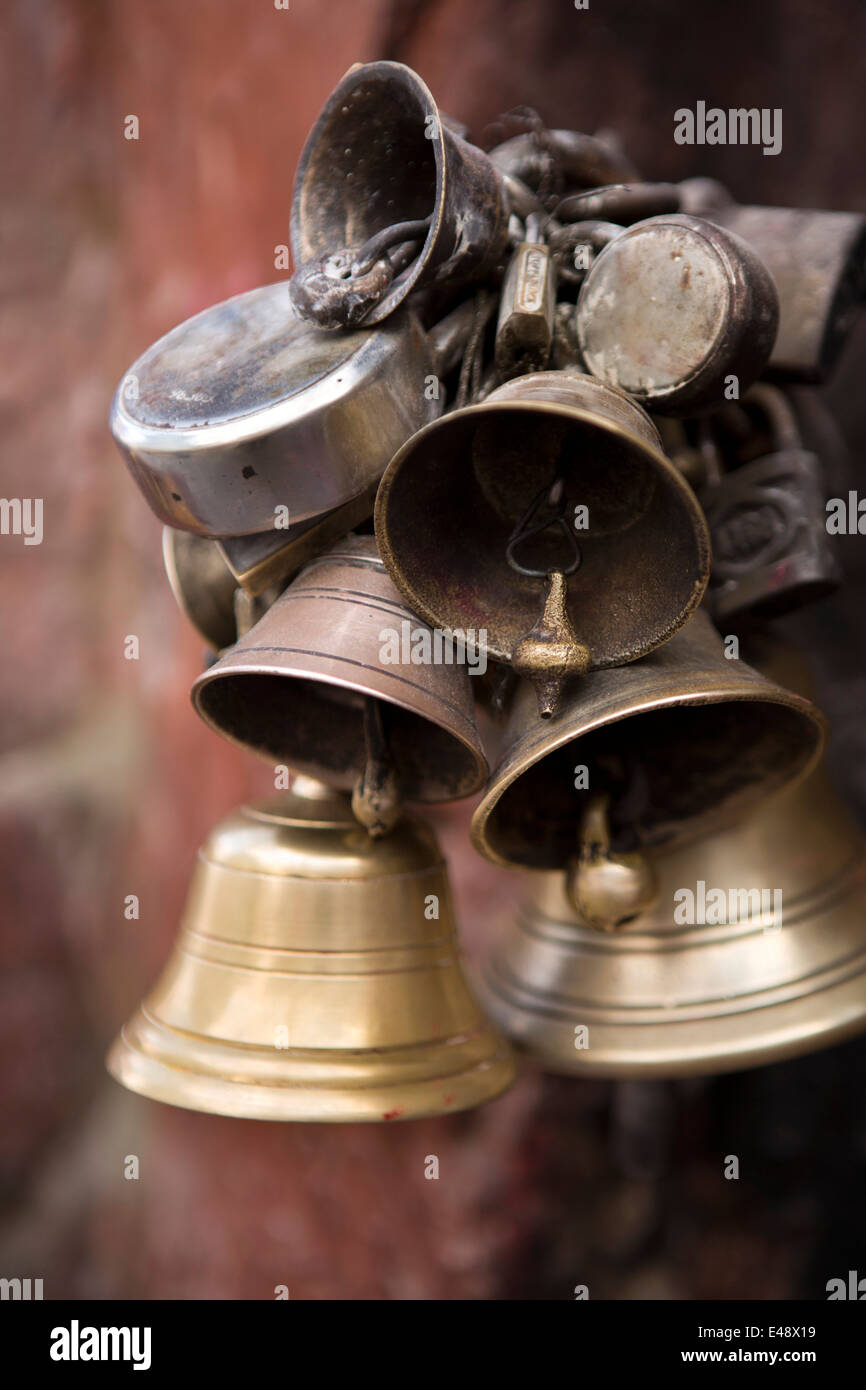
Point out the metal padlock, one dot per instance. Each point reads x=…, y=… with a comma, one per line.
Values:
x=818, y=262
x=273, y=557
x=672, y=309
x=244, y=413
x=525, y=329
x=771, y=550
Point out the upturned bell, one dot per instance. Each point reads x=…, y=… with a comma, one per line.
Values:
x=389, y=198
x=315, y=977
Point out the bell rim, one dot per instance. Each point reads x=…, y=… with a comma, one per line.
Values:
x=727, y=1045
x=162, y=1079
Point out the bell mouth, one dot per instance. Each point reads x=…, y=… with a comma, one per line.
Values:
x=369, y=163
x=317, y=728
x=644, y=557
x=673, y=773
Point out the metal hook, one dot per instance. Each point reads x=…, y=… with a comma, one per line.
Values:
x=554, y=495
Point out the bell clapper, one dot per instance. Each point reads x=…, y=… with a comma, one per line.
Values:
x=549, y=652
x=376, y=801
x=607, y=889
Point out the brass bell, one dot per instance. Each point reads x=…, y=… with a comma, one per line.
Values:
x=315, y=977
x=389, y=198
x=302, y=687
x=673, y=994
x=677, y=743
x=554, y=474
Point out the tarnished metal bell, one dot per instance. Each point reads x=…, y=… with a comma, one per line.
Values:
x=549, y=518
x=315, y=977
x=677, y=743
x=389, y=198
x=299, y=687
x=244, y=419
x=669, y=996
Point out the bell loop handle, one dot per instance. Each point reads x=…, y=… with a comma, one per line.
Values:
x=525, y=530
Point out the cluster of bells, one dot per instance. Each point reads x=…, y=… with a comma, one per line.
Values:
x=519, y=364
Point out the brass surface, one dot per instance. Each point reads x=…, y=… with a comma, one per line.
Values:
x=413, y=166
x=297, y=921
x=703, y=735
x=293, y=689
x=450, y=500
x=607, y=889
x=663, y=999
x=550, y=653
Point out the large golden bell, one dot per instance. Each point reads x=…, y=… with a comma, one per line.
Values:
x=666, y=998
x=315, y=977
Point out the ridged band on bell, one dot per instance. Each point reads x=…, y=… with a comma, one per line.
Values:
x=293, y=689
x=451, y=505
x=311, y=979
x=244, y=418
x=782, y=973
x=681, y=741
x=380, y=155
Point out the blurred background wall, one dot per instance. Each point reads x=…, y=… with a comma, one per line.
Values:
x=108, y=781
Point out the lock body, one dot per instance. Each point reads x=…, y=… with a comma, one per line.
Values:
x=818, y=263
x=244, y=410
x=771, y=550
x=525, y=329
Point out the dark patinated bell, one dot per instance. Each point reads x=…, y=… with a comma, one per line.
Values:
x=389, y=198
x=771, y=550
x=548, y=519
